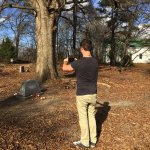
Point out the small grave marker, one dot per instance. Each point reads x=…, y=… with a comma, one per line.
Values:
x=21, y=69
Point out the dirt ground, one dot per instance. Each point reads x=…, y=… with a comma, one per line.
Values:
x=50, y=122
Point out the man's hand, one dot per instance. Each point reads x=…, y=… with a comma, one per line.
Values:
x=66, y=61
x=66, y=66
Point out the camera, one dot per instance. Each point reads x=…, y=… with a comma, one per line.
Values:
x=71, y=59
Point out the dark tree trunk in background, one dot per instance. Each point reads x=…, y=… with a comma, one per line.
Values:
x=112, y=50
x=74, y=25
x=17, y=40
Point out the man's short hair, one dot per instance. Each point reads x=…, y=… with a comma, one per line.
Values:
x=86, y=45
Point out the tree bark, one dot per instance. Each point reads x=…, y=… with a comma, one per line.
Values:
x=45, y=27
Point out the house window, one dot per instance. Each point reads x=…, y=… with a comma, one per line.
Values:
x=140, y=56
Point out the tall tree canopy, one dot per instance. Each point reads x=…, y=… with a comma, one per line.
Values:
x=123, y=17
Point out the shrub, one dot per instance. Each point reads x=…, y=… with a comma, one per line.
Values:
x=7, y=50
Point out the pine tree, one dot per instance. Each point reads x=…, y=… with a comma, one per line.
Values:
x=7, y=50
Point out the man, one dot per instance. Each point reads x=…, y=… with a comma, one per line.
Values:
x=86, y=70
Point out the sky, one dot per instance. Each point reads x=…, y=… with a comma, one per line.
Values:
x=1, y=20
x=95, y=2
x=0, y=2
x=86, y=3
x=8, y=32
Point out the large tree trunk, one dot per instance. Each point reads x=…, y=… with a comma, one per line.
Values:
x=45, y=26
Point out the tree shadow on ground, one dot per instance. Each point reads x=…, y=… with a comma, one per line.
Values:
x=148, y=71
x=4, y=73
x=17, y=99
x=101, y=115
x=11, y=101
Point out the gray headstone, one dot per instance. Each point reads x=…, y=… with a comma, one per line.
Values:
x=29, y=88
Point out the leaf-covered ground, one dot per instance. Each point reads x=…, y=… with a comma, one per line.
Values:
x=50, y=122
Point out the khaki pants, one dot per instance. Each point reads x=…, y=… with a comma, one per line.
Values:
x=86, y=110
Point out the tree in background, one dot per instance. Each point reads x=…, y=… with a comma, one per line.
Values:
x=72, y=25
x=114, y=24
x=21, y=26
x=7, y=50
x=122, y=18
x=46, y=17
x=96, y=29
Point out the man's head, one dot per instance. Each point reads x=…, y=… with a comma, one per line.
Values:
x=86, y=45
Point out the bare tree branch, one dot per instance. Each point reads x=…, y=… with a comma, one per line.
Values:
x=8, y=5
x=70, y=21
x=71, y=2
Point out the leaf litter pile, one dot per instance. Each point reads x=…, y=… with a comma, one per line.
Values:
x=50, y=122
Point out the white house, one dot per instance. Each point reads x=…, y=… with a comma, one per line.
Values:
x=140, y=55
